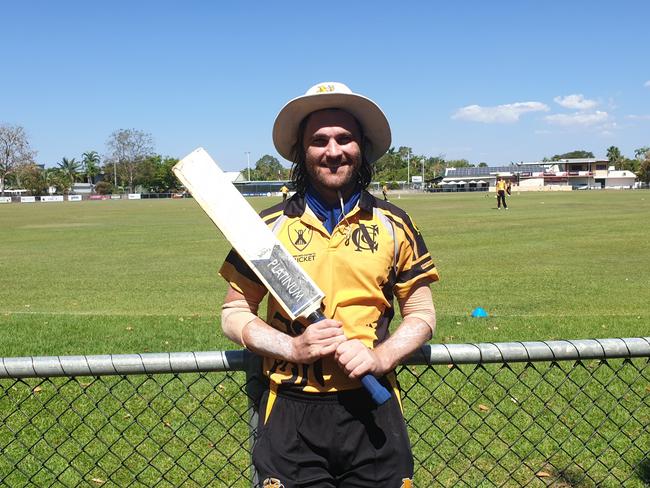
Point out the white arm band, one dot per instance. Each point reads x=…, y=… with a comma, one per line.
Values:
x=419, y=304
x=235, y=315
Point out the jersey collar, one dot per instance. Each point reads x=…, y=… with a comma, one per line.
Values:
x=296, y=205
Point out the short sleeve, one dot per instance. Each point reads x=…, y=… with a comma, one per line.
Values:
x=414, y=262
x=239, y=275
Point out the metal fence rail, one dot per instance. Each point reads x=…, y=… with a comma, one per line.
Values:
x=557, y=413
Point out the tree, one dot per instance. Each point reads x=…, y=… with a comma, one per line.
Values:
x=396, y=165
x=615, y=157
x=630, y=165
x=573, y=155
x=459, y=163
x=90, y=161
x=69, y=169
x=643, y=156
x=437, y=165
x=267, y=168
x=165, y=178
x=55, y=178
x=104, y=187
x=390, y=166
x=127, y=149
x=32, y=178
x=155, y=174
x=14, y=151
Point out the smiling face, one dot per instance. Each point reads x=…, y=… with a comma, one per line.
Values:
x=332, y=145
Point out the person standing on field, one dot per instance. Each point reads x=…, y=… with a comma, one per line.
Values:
x=384, y=190
x=285, y=192
x=318, y=426
x=501, y=193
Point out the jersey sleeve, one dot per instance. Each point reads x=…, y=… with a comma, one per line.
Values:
x=414, y=263
x=239, y=275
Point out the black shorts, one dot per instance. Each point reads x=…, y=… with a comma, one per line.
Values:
x=332, y=440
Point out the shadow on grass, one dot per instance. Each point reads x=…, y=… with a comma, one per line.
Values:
x=643, y=470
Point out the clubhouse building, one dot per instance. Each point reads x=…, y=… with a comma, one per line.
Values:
x=562, y=175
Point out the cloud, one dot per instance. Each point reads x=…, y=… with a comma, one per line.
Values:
x=499, y=114
x=575, y=102
x=647, y=83
x=638, y=117
x=578, y=119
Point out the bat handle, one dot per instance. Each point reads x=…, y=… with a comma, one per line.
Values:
x=378, y=392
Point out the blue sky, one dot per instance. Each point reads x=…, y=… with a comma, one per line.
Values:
x=486, y=81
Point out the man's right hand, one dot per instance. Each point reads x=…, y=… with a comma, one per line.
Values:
x=317, y=340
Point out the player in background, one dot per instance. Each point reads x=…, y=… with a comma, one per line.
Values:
x=285, y=192
x=384, y=191
x=318, y=426
x=501, y=193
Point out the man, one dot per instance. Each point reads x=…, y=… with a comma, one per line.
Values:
x=501, y=193
x=285, y=192
x=384, y=190
x=318, y=426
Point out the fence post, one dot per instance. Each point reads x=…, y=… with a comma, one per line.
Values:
x=254, y=390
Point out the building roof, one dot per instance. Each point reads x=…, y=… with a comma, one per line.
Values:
x=582, y=160
x=234, y=176
x=492, y=170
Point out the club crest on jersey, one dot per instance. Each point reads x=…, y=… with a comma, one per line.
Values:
x=299, y=235
x=272, y=483
x=364, y=238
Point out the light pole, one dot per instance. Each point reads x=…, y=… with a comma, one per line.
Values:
x=248, y=163
x=408, y=168
x=115, y=173
x=422, y=173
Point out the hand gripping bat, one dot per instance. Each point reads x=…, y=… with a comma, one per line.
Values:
x=291, y=286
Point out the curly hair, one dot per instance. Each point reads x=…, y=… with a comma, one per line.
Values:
x=299, y=176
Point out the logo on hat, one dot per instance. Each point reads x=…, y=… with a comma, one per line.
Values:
x=325, y=88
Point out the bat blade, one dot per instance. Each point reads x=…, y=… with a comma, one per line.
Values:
x=249, y=235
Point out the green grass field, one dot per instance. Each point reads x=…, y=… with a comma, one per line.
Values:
x=136, y=276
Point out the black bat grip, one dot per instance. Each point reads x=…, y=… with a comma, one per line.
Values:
x=378, y=392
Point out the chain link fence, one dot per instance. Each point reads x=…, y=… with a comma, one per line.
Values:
x=559, y=413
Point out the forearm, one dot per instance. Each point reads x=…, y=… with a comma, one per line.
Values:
x=260, y=338
x=417, y=327
x=412, y=333
x=240, y=323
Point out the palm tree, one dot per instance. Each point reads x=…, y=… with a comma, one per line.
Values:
x=69, y=169
x=90, y=161
x=54, y=178
x=614, y=156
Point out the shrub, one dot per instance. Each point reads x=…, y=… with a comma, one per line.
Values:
x=104, y=188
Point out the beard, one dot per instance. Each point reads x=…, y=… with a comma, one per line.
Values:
x=340, y=178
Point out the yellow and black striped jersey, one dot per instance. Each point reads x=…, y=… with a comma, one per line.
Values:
x=374, y=254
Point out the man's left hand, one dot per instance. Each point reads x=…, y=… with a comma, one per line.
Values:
x=358, y=360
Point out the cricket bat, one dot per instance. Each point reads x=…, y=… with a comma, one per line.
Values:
x=289, y=284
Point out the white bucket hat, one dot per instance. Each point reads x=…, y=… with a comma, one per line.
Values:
x=332, y=94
